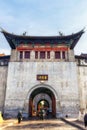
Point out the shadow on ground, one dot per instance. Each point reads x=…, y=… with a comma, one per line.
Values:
x=76, y=124
x=36, y=125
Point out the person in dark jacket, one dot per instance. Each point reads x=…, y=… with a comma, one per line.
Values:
x=85, y=120
x=19, y=116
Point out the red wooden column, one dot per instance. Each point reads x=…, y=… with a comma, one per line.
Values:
x=53, y=106
x=30, y=106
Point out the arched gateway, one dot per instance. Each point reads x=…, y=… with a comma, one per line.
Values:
x=42, y=97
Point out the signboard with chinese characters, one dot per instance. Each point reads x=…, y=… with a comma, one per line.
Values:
x=42, y=77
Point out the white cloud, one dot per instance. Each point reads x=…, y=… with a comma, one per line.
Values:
x=5, y=51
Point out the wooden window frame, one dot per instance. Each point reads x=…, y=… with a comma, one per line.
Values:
x=36, y=54
x=42, y=54
x=48, y=54
x=57, y=55
x=27, y=55
x=63, y=54
x=21, y=54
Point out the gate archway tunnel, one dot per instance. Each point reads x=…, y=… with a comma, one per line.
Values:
x=42, y=97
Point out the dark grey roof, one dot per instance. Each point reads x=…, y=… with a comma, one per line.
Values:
x=16, y=40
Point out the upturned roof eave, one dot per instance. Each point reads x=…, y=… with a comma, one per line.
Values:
x=11, y=36
x=42, y=37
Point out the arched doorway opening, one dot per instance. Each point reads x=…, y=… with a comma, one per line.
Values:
x=42, y=97
x=43, y=104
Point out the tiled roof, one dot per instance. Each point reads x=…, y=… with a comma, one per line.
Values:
x=81, y=56
x=16, y=40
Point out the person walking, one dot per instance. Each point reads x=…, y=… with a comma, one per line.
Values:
x=19, y=116
x=85, y=120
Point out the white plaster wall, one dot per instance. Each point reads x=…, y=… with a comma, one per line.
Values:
x=62, y=77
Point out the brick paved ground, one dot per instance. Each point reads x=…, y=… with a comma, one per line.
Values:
x=55, y=124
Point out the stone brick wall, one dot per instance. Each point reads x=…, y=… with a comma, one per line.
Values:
x=62, y=79
x=3, y=79
x=82, y=81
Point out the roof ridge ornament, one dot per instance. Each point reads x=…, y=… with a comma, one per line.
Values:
x=24, y=33
x=61, y=33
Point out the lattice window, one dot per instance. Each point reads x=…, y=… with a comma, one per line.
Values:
x=42, y=54
x=36, y=54
x=27, y=54
x=57, y=54
x=21, y=54
x=48, y=54
x=63, y=54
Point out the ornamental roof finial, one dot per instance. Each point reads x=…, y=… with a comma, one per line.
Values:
x=24, y=34
x=60, y=33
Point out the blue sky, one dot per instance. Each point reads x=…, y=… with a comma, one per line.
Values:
x=43, y=17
